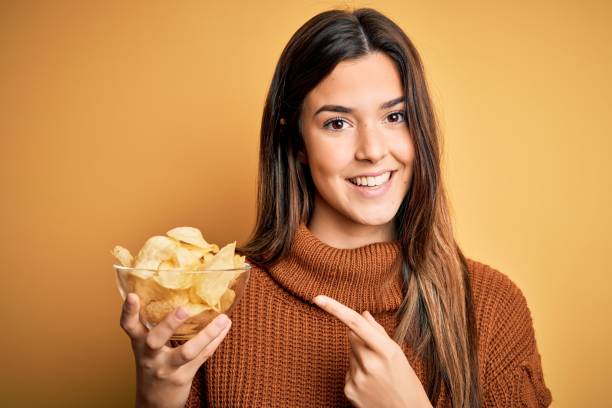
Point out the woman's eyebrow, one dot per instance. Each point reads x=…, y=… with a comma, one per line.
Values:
x=344, y=109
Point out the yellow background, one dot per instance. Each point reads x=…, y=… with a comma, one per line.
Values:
x=120, y=120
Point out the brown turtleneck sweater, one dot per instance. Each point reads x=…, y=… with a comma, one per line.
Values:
x=284, y=351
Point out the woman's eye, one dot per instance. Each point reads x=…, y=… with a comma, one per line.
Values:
x=395, y=115
x=334, y=121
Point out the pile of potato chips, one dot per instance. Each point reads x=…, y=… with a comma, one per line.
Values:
x=168, y=273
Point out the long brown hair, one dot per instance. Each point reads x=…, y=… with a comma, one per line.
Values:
x=436, y=316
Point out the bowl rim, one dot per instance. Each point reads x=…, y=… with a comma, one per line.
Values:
x=246, y=267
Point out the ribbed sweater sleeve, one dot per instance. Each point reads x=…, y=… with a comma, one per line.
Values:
x=513, y=371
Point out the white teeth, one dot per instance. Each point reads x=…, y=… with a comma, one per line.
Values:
x=371, y=181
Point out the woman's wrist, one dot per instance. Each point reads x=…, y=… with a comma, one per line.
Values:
x=144, y=401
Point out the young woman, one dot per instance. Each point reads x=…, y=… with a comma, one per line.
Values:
x=351, y=206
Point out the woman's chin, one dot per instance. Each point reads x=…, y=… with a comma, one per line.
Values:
x=374, y=219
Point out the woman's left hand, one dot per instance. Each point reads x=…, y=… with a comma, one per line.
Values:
x=379, y=374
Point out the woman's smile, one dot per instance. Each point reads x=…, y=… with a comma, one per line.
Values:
x=372, y=186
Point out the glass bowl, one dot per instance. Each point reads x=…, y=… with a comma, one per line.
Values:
x=204, y=294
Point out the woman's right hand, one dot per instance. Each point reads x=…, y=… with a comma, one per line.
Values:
x=164, y=374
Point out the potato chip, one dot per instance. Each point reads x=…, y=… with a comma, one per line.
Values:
x=167, y=265
x=224, y=259
x=157, y=248
x=146, y=289
x=195, y=308
x=193, y=295
x=226, y=300
x=123, y=255
x=173, y=279
x=211, y=285
x=203, y=255
x=202, y=318
x=190, y=235
x=157, y=310
x=186, y=258
x=146, y=269
x=208, y=257
x=239, y=261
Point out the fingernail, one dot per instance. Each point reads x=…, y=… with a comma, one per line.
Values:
x=130, y=301
x=320, y=300
x=181, y=313
x=221, y=320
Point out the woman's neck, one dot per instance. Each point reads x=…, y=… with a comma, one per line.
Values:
x=339, y=231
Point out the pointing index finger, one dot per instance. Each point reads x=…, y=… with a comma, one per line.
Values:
x=356, y=322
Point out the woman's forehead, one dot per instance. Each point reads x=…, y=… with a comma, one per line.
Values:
x=362, y=84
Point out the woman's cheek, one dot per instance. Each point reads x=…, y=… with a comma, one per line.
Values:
x=330, y=157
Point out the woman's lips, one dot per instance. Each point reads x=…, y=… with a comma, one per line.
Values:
x=373, y=191
x=372, y=179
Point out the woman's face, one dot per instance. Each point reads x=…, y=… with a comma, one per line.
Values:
x=358, y=146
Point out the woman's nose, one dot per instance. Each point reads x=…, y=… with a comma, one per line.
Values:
x=371, y=145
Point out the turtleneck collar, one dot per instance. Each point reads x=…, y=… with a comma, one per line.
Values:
x=363, y=278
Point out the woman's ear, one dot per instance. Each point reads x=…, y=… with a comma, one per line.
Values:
x=302, y=156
